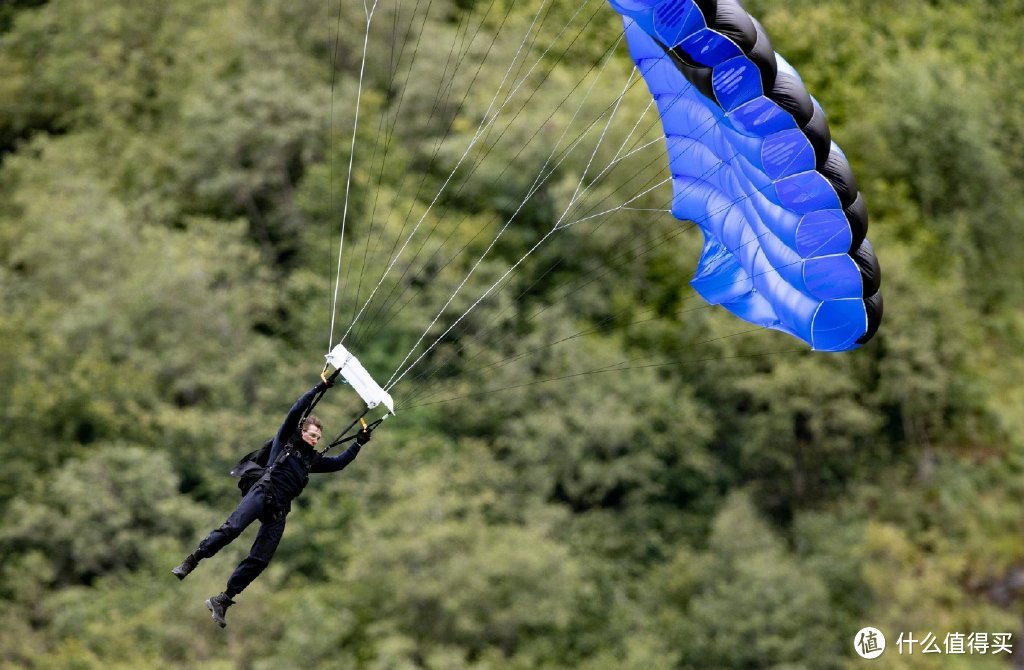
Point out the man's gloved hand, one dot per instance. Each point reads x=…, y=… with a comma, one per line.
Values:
x=363, y=437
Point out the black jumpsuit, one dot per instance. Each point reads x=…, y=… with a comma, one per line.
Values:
x=269, y=500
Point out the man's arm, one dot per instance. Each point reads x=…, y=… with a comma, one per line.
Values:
x=335, y=463
x=291, y=422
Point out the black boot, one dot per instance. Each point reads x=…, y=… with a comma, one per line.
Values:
x=187, y=566
x=218, y=606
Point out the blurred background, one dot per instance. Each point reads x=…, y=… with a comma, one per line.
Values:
x=589, y=467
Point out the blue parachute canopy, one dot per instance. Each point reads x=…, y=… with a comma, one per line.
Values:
x=754, y=166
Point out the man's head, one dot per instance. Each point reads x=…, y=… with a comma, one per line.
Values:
x=312, y=430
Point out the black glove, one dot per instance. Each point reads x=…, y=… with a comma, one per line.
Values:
x=363, y=437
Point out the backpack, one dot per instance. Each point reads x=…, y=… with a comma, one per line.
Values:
x=251, y=467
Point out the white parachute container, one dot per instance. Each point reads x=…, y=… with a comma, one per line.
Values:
x=356, y=375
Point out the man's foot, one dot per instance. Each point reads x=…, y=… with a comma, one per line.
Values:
x=187, y=566
x=218, y=606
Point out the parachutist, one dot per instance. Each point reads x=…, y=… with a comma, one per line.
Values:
x=292, y=456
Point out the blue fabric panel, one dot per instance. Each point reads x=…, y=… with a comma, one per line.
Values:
x=708, y=47
x=775, y=236
x=630, y=6
x=838, y=324
x=760, y=117
x=736, y=81
x=719, y=278
x=688, y=156
x=785, y=153
x=676, y=20
x=807, y=192
x=825, y=231
x=659, y=73
x=831, y=277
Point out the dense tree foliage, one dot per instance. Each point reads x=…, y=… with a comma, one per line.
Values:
x=591, y=469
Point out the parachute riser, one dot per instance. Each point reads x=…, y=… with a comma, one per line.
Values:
x=366, y=428
x=328, y=381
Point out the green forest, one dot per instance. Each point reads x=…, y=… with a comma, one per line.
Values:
x=589, y=467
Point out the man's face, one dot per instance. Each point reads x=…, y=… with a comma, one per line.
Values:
x=311, y=434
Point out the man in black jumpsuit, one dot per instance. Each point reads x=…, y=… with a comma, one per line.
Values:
x=293, y=457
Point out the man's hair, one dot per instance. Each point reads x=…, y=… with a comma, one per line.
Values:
x=313, y=420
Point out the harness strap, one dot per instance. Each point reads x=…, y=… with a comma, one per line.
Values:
x=367, y=428
x=328, y=382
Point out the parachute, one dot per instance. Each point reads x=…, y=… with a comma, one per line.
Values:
x=753, y=165
x=749, y=152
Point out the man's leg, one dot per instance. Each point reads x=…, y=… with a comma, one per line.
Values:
x=248, y=510
x=267, y=539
